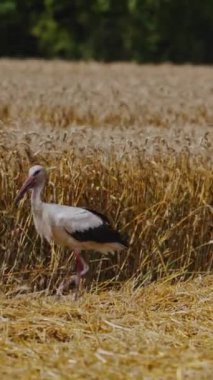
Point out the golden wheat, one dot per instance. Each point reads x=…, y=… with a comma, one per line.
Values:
x=134, y=142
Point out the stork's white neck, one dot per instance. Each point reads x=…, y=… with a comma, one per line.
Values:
x=36, y=201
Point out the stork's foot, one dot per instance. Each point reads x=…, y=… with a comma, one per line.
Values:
x=59, y=291
x=65, y=286
x=61, y=288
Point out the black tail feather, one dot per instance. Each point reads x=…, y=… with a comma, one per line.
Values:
x=102, y=234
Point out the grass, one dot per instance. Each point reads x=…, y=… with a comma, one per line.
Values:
x=134, y=142
x=167, y=216
x=158, y=332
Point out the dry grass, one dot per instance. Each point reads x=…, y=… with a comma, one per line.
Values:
x=167, y=216
x=134, y=142
x=158, y=332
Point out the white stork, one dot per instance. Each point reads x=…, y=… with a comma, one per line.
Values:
x=75, y=227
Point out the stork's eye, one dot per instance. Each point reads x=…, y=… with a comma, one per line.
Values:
x=36, y=172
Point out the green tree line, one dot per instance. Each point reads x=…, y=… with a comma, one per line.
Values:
x=108, y=30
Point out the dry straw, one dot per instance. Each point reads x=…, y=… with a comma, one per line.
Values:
x=161, y=331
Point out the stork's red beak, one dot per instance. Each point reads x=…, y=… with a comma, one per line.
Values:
x=28, y=184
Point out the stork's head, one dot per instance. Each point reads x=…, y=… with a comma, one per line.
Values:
x=36, y=178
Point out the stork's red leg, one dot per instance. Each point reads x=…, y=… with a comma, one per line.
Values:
x=81, y=268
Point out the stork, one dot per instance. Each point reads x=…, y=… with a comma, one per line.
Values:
x=74, y=227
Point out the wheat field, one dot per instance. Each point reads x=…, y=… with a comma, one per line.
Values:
x=134, y=142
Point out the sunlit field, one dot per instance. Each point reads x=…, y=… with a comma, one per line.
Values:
x=136, y=143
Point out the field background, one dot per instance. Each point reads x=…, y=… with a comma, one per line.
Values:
x=134, y=142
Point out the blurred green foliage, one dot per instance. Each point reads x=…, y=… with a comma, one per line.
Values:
x=108, y=30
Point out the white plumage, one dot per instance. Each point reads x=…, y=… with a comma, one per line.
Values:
x=49, y=216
